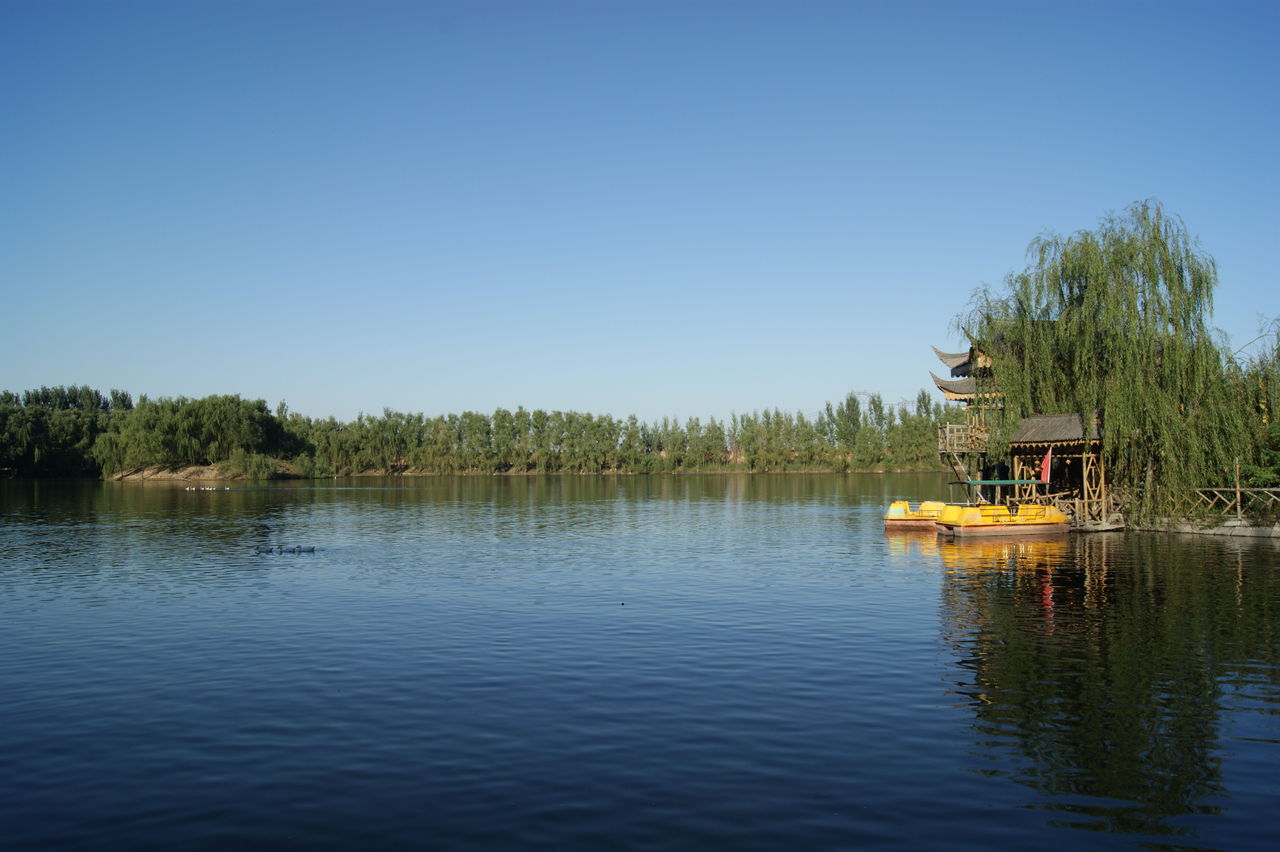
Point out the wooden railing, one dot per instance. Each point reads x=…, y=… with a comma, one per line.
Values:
x=1240, y=501
x=962, y=438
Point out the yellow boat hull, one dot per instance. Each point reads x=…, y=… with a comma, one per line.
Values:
x=994, y=519
x=901, y=516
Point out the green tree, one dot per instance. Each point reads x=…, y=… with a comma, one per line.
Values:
x=1116, y=321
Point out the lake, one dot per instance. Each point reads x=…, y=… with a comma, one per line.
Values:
x=664, y=662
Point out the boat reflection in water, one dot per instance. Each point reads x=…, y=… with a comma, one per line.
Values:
x=978, y=554
x=1026, y=552
x=906, y=545
x=1108, y=672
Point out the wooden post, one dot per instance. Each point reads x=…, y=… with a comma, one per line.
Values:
x=1239, y=508
x=1088, y=488
x=1105, y=497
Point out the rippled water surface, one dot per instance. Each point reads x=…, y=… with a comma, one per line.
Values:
x=620, y=663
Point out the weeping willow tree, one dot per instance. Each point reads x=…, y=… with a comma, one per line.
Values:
x=1260, y=387
x=1116, y=321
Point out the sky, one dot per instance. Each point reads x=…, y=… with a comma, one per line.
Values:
x=683, y=209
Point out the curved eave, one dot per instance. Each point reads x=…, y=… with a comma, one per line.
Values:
x=962, y=390
x=955, y=361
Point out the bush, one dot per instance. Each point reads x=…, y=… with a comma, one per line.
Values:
x=249, y=465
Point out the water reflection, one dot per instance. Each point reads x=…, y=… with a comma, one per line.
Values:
x=1098, y=668
x=79, y=498
x=774, y=669
x=112, y=518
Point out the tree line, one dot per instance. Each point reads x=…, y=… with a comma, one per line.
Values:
x=78, y=431
x=52, y=431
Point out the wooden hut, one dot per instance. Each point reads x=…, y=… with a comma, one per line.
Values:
x=1072, y=445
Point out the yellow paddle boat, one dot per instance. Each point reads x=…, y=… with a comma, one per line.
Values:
x=1000, y=519
x=902, y=517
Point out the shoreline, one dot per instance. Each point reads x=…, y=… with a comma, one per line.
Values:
x=1230, y=529
x=212, y=473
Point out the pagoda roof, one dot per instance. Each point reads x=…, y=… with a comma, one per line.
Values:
x=953, y=360
x=956, y=389
x=963, y=364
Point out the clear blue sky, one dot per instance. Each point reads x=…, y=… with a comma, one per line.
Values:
x=660, y=208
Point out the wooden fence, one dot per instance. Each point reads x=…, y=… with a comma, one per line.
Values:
x=1240, y=501
x=962, y=438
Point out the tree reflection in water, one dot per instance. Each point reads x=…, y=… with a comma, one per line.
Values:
x=1098, y=667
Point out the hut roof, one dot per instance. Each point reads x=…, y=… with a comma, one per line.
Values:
x=1054, y=429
